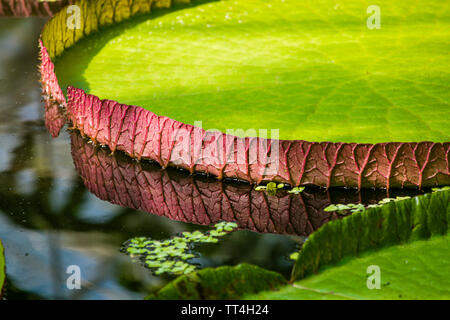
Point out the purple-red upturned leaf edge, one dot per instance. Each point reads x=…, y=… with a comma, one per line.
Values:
x=185, y=198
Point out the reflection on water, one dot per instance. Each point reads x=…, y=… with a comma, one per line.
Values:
x=205, y=201
x=179, y=196
x=49, y=220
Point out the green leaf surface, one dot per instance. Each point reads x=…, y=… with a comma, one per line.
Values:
x=417, y=270
x=312, y=69
x=220, y=283
x=407, y=240
x=2, y=269
x=393, y=223
x=390, y=236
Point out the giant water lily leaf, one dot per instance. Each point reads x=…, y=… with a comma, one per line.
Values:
x=392, y=223
x=406, y=242
x=220, y=283
x=418, y=270
x=313, y=70
x=2, y=269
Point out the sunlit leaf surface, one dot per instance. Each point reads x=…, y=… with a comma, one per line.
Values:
x=312, y=69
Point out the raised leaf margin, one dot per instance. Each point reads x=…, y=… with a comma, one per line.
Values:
x=393, y=223
x=2, y=269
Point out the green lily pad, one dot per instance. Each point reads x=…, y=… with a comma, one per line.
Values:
x=313, y=70
x=406, y=242
x=417, y=270
x=394, y=222
x=2, y=269
x=220, y=283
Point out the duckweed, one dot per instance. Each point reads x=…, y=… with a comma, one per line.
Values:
x=172, y=255
x=271, y=188
x=358, y=207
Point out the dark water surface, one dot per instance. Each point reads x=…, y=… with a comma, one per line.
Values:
x=50, y=220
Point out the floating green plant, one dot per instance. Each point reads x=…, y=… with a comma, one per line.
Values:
x=446, y=188
x=294, y=256
x=172, y=255
x=358, y=207
x=271, y=188
x=296, y=190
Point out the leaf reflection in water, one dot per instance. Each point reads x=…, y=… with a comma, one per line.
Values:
x=204, y=201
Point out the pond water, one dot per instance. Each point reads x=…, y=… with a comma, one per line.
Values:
x=65, y=202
